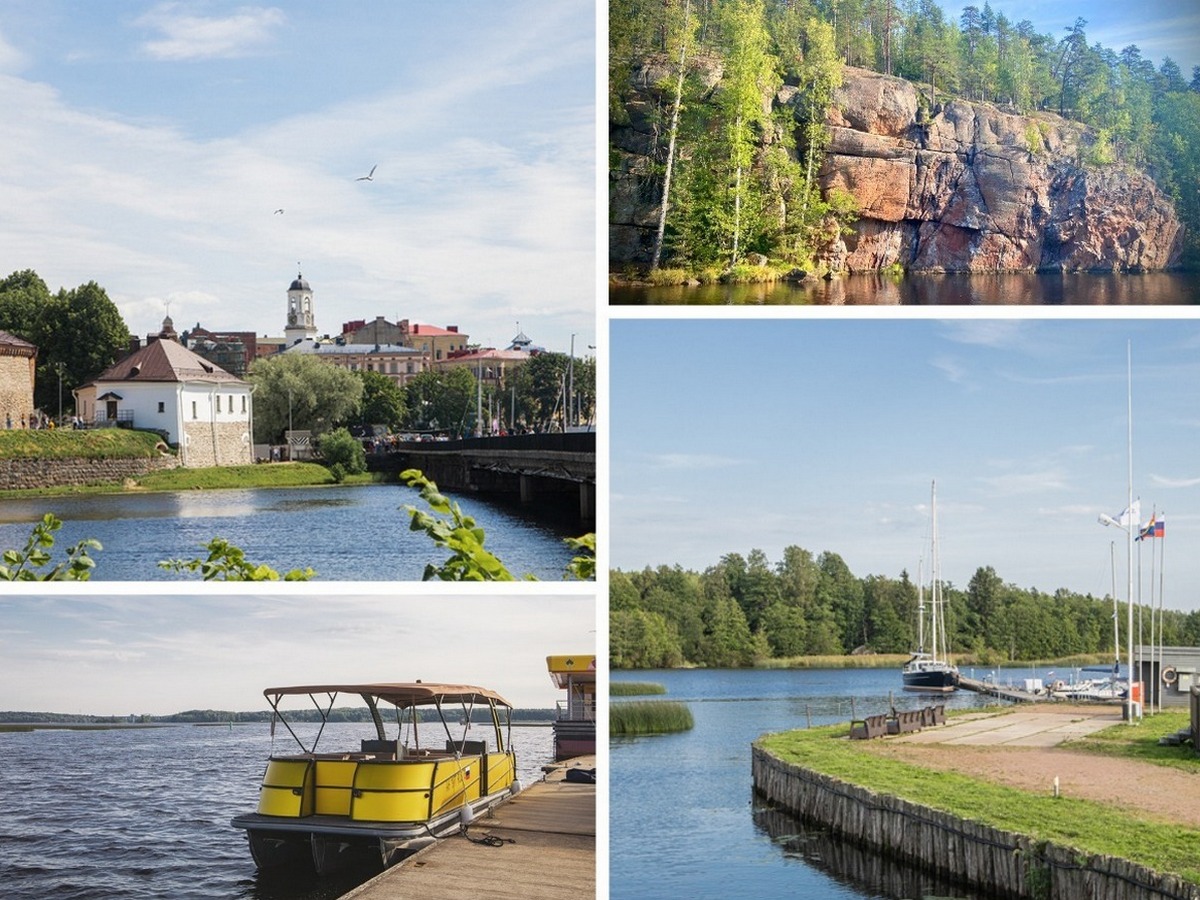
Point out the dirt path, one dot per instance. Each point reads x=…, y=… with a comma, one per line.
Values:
x=1168, y=794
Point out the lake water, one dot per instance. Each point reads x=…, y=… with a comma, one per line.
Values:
x=350, y=533
x=143, y=813
x=683, y=821
x=1009, y=288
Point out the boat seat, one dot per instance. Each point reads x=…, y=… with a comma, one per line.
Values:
x=379, y=748
x=467, y=748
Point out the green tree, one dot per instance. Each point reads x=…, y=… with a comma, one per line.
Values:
x=78, y=332
x=382, y=401
x=441, y=401
x=300, y=391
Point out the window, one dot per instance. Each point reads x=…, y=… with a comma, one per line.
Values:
x=243, y=402
x=218, y=403
x=193, y=409
x=231, y=402
x=162, y=407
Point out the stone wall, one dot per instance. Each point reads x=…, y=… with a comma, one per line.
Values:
x=16, y=389
x=223, y=444
x=25, y=474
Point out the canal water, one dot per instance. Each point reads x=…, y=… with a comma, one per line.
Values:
x=1009, y=288
x=348, y=533
x=683, y=819
x=143, y=813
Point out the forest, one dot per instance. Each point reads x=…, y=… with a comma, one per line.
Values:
x=740, y=174
x=747, y=610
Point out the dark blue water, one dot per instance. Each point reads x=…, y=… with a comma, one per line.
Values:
x=1004, y=288
x=682, y=818
x=345, y=533
x=143, y=814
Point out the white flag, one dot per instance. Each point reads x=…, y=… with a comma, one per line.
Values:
x=1132, y=516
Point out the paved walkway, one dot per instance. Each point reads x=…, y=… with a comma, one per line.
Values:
x=553, y=855
x=1021, y=728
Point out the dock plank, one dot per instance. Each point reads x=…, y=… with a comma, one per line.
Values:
x=552, y=826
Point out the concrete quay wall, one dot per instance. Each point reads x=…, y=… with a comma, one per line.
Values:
x=972, y=853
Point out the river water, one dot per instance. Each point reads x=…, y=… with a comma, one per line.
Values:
x=351, y=533
x=1009, y=288
x=683, y=821
x=143, y=813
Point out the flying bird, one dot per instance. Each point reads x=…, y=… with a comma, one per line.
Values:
x=278, y=212
x=370, y=176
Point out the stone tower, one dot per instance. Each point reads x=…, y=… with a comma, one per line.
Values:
x=300, y=320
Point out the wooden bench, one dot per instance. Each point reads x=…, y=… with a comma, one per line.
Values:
x=870, y=727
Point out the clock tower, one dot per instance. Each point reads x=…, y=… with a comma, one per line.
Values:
x=300, y=321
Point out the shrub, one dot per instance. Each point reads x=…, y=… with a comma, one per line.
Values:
x=340, y=447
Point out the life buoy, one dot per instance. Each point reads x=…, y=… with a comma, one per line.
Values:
x=1170, y=675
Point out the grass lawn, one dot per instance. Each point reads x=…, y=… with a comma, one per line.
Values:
x=1083, y=824
x=67, y=443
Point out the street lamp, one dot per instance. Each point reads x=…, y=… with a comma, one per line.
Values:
x=58, y=367
x=289, y=435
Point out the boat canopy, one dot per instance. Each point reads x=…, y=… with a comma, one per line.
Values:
x=402, y=695
x=567, y=669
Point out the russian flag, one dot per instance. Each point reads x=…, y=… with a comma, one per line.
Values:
x=1160, y=527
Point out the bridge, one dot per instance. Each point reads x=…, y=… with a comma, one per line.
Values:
x=552, y=473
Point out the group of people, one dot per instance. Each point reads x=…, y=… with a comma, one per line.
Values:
x=37, y=420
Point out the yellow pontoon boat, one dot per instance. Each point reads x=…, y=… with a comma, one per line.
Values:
x=390, y=795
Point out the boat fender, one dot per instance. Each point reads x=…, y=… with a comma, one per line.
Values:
x=1058, y=686
x=1170, y=675
x=465, y=816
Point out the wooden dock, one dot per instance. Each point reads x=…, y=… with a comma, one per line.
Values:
x=552, y=826
x=1004, y=693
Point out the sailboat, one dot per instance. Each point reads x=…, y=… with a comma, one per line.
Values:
x=931, y=671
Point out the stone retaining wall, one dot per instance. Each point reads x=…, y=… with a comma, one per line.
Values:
x=24, y=474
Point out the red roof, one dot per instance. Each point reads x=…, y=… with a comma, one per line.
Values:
x=165, y=361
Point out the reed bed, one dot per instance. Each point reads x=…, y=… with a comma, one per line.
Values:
x=635, y=717
x=634, y=688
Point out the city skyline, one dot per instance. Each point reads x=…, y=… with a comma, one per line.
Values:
x=197, y=156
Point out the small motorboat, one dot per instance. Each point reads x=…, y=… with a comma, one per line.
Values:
x=387, y=796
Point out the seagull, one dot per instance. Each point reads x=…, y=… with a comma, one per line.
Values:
x=370, y=176
x=278, y=212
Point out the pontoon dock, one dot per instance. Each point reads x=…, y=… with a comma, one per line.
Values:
x=553, y=825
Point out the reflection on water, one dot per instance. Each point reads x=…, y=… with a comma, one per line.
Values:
x=854, y=865
x=1007, y=288
x=353, y=533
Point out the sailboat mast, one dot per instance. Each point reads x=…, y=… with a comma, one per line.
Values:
x=935, y=594
x=921, y=605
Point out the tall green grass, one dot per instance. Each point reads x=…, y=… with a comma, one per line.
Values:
x=634, y=688
x=67, y=443
x=648, y=717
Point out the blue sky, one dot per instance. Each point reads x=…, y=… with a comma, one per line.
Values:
x=148, y=145
x=1159, y=28
x=734, y=434
x=149, y=653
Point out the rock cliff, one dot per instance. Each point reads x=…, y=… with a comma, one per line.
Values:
x=954, y=187
x=967, y=187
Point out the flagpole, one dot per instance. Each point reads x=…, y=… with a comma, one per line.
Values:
x=1129, y=528
x=1161, y=563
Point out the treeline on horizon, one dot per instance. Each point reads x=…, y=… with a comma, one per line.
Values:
x=748, y=610
x=222, y=716
x=743, y=180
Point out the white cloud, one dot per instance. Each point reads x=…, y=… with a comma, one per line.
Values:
x=1163, y=481
x=11, y=59
x=186, y=36
x=693, y=461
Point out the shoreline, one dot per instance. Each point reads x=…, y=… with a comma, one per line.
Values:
x=931, y=799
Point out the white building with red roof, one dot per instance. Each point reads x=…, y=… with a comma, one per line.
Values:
x=200, y=408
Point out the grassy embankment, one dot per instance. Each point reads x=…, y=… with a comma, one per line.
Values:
x=1086, y=825
x=121, y=443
